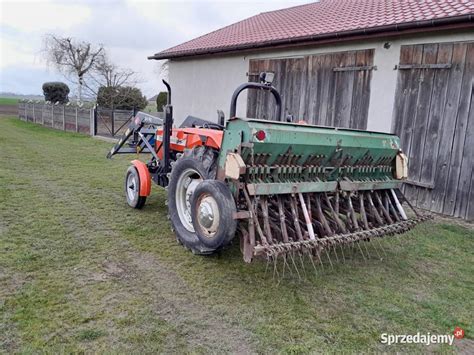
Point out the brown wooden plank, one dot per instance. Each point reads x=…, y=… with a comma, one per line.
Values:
x=420, y=124
x=296, y=75
x=326, y=78
x=364, y=112
x=313, y=88
x=433, y=133
x=361, y=91
x=447, y=132
x=409, y=109
x=402, y=90
x=280, y=71
x=304, y=88
x=344, y=90
x=463, y=147
x=288, y=90
x=252, y=96
x=470, y=201
x=334, y=86
x=268, y=102
x=465, y=185
x=459, y=133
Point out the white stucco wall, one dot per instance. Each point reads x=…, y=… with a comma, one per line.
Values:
x=203, y=85
x=200, y=87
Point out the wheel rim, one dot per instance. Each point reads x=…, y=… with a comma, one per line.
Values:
x=208, y=216
x=185, y=187
x=132, y=186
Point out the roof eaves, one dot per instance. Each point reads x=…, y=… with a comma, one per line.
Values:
x=398, y=27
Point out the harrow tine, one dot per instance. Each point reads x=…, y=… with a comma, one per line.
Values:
x=266, y=266
x=366, y=249
x=377, y=251
x=329, y=258
x=275, y=268
x=335, y=251
x=358, y=244
x=302, y=263
x=285, y=263
x=294, y=264
x=381, y=247
x=318, y=253
x=312, y=262
x=343, y=256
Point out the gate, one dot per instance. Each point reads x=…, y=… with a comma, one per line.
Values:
x=434, y=118
x=111, y=123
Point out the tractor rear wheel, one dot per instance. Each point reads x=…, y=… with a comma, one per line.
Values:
x=194, y=166
x=132, y=189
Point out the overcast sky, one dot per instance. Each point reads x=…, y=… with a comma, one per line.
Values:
x=130, y=30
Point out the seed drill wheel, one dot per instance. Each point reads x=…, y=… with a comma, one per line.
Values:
x=212, y=210
x=196, y=165
x=132, y=189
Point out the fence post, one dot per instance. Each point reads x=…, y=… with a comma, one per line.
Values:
x=77, y=127
x=34, y=118
x=52, y=115
x=113, y=122
x=64, y=117
x=26, y=111
x=93, y=121
x=42, y=115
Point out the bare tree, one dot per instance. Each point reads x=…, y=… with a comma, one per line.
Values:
x=71, y=57
x=106, y=74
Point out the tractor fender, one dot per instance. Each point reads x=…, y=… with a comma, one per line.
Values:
x=145, y=178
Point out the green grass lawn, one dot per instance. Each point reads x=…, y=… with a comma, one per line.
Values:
x=80, y=271
x=8, y=101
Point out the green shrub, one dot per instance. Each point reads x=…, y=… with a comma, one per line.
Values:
x=161, y=100
x=56, y=92
x=123, y=97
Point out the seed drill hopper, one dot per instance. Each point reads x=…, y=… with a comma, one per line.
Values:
x=280, y=187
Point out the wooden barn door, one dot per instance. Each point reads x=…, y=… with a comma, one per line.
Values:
x=328, y=89
x=434, y=118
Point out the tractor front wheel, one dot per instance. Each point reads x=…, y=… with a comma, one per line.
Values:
x=132, y=189
x=213, y=208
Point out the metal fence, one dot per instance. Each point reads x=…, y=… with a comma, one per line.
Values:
x=72, y=118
